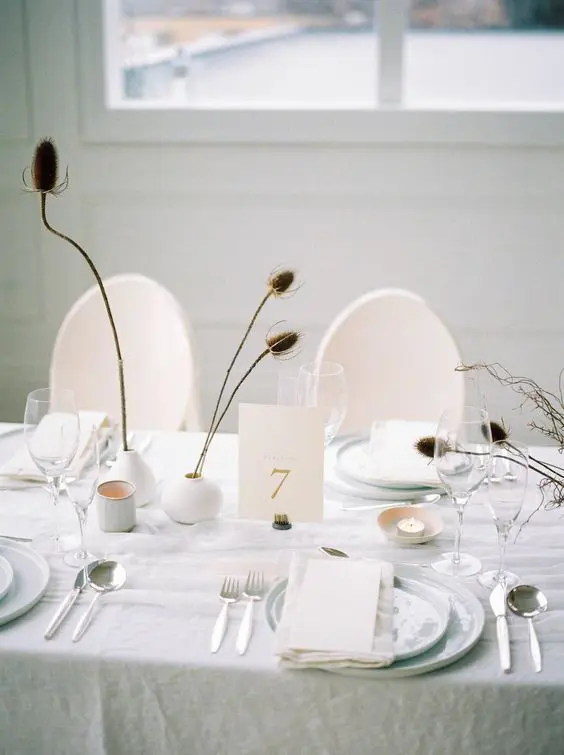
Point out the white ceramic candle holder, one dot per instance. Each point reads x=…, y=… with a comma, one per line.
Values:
x=116, y=506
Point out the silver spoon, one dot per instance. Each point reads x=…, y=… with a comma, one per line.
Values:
x=106, y=577
x=528, y=601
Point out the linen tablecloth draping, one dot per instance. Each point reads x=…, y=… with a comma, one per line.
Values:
x=142, y=679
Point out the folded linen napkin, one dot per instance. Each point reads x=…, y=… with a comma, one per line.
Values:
x=337, y=613
x=21, y=466
x=392, y=457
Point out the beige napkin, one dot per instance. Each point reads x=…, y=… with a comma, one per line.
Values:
x=392, y=457
x=367, y=614
x=22, y=468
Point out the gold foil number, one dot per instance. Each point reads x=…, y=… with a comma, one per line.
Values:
x=284, y=473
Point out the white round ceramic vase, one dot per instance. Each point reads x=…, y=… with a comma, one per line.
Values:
x=192, y=499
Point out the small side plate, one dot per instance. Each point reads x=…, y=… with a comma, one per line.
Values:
x=6, y=576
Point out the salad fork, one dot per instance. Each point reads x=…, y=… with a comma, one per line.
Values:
x=253, y=591
x=229, y=593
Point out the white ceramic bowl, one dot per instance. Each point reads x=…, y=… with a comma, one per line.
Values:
x=389, y=518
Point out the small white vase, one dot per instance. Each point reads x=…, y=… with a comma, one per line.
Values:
x=132, y=467
x=192, y=499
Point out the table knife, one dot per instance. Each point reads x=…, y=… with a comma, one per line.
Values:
x=497, y=602
x=79, y=584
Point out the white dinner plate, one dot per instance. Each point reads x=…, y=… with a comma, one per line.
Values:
x=353, y=463
x=6, y=576
x=464, y=626
x=339, y=481
x=31, y=577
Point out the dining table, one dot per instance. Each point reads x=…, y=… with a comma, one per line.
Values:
x=142, y=680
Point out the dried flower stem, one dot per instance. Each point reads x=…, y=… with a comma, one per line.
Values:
x=550, y=406
x=211, y=431
x=100, y=283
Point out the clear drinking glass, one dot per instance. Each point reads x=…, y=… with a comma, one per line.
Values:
x=81, y=492
x=323, y=384
x=462, y=451
x=507, y=476
x=52, y=432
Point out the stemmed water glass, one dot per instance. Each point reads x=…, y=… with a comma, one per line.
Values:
x=462, y=451
x=52, y=432
x=81, y=491
x=507, y=477
x=323, y=385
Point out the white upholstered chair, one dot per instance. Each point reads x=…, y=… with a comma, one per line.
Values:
x=399, y=360
x=160, y=376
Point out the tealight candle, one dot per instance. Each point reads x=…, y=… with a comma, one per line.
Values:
x=410, y=527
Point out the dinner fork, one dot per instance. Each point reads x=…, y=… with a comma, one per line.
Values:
x=253, y=591
x=229, y=593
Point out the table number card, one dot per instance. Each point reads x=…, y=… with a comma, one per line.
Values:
x=281, y=453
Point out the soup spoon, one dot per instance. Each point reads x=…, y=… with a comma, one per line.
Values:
x=528, y=601
x=106, y=577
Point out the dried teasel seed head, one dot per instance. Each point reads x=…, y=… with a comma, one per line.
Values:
x=44, y=169
x=282, y=343
x=426, y=446
x=498, y=431
x=280, y=283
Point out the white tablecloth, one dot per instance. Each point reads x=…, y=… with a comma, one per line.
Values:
x=142, y=680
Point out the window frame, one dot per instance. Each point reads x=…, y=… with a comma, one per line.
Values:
x=389, y=122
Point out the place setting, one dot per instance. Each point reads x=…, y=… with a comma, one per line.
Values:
x=370, y=618
x=365, y=471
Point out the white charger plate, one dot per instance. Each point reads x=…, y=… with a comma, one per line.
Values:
x=6, y=576
x=464, y=627
x=339, y=481
x=351, y=464
x=31, y=577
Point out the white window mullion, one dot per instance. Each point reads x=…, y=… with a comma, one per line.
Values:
x=391, y=23
x=112, y=20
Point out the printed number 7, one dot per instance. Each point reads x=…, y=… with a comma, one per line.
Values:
x=284, y=473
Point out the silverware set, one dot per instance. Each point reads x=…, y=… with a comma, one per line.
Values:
x=525, y=601
x=102, y=577
x=230, y=593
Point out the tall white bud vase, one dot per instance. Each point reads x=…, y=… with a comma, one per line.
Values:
x=131, y=467
x=192, y=499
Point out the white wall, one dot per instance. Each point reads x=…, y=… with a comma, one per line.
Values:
x=479, y=232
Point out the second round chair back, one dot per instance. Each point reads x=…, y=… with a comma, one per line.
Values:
x=399, y=360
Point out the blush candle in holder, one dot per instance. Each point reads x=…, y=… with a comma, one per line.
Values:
x=115, y=505
x=410, y=527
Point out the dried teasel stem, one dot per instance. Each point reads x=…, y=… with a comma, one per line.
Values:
x=425, y=446
x=550, y=405
x=226, y=378
x=100, y=283
x=277, y=345
x=278, y=284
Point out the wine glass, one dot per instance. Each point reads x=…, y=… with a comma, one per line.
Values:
x=81, y=491
x=52, y=432
x=507, y=477
x=323, y=385
x=462, y=451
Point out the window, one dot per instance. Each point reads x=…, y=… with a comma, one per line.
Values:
x=322, y=71
x=247, y=53
x=326, y=53
x=493, y=53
